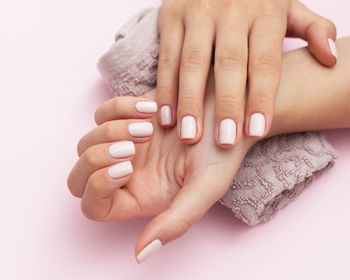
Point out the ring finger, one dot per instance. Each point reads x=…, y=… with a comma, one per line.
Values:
x=95, y=158
x=194, y=68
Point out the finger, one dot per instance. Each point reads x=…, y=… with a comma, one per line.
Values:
x=137, y=131
x=103, y=192
x=264, y=70
x=195, y=198
x=231, y=57
x=97, y=157
x=319, y=32
x=195, y=62
x=171, y=39
x=125, y=107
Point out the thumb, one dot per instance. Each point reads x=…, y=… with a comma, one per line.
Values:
x=319, y=32
x=199, y=193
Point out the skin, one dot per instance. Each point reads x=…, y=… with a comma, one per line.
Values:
x=177, y=183
x=247, y=37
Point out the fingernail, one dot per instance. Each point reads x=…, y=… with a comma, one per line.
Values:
x=122, y=149
x=146, y=106
x=227, y=134
x=333, y=47
x=120, y=170
x=257, y=125
x=188, y=127
x=149, y=250
x=165, y=115
x=140, y=129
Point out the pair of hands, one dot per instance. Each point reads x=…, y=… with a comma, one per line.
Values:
x=248, y=40
x=163, y=177
x=157, y=176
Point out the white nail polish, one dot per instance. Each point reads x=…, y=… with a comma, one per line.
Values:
x=146, y=106
x=149, y=250
x=122, y=149
x=120, y=170
x=140, y=129
x=257, y=125
x=188, y=127
x=165, y=115
x=227, y=132
x=333, y=47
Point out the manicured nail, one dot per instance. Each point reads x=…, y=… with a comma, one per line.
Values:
x=122, y=149
x=165, y=115
x=120, y=170
x=149, y=250
x=188, y=127
x=140, y=129
x=227, y=134
x=333, y=47
x=146, y=106
x=257, y=125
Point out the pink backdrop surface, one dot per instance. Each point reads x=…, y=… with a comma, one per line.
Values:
x=49, y=89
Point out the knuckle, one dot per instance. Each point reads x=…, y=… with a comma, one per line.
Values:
x=330, y=25
x=86, y=210
x=71, y=187
x=80, y=147
x=168, y=14
x=167, y=59
x=265, y=63
x=94, y=185
x=231, y=58
x=103, y=110
x=229, y=106
x=261, y=100
x=116, y=104
x=97, y=117
x=230, y=103
x=183, y=223
x=188, y=103
x=91, y=158
x=269, y=9
x=163, y=92
x=109, y=131
x=192, y=59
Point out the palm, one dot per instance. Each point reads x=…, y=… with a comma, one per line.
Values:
x=152, y=186
x=154, y=183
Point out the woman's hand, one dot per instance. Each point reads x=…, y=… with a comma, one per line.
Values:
x=177, y=183
x=159, y=176
x=248, y=39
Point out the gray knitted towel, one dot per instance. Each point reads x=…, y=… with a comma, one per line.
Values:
x=273, y=173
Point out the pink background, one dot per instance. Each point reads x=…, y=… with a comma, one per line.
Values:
x=49, y=90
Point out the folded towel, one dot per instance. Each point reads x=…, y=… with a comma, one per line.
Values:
x=274, y=172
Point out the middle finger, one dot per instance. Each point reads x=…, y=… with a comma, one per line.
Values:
x=134, y=130
x=194, y=68
x=231, y=56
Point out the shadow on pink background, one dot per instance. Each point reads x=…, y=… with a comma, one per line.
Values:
x=49, y=90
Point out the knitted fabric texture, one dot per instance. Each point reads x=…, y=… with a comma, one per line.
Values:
x=274, y=172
